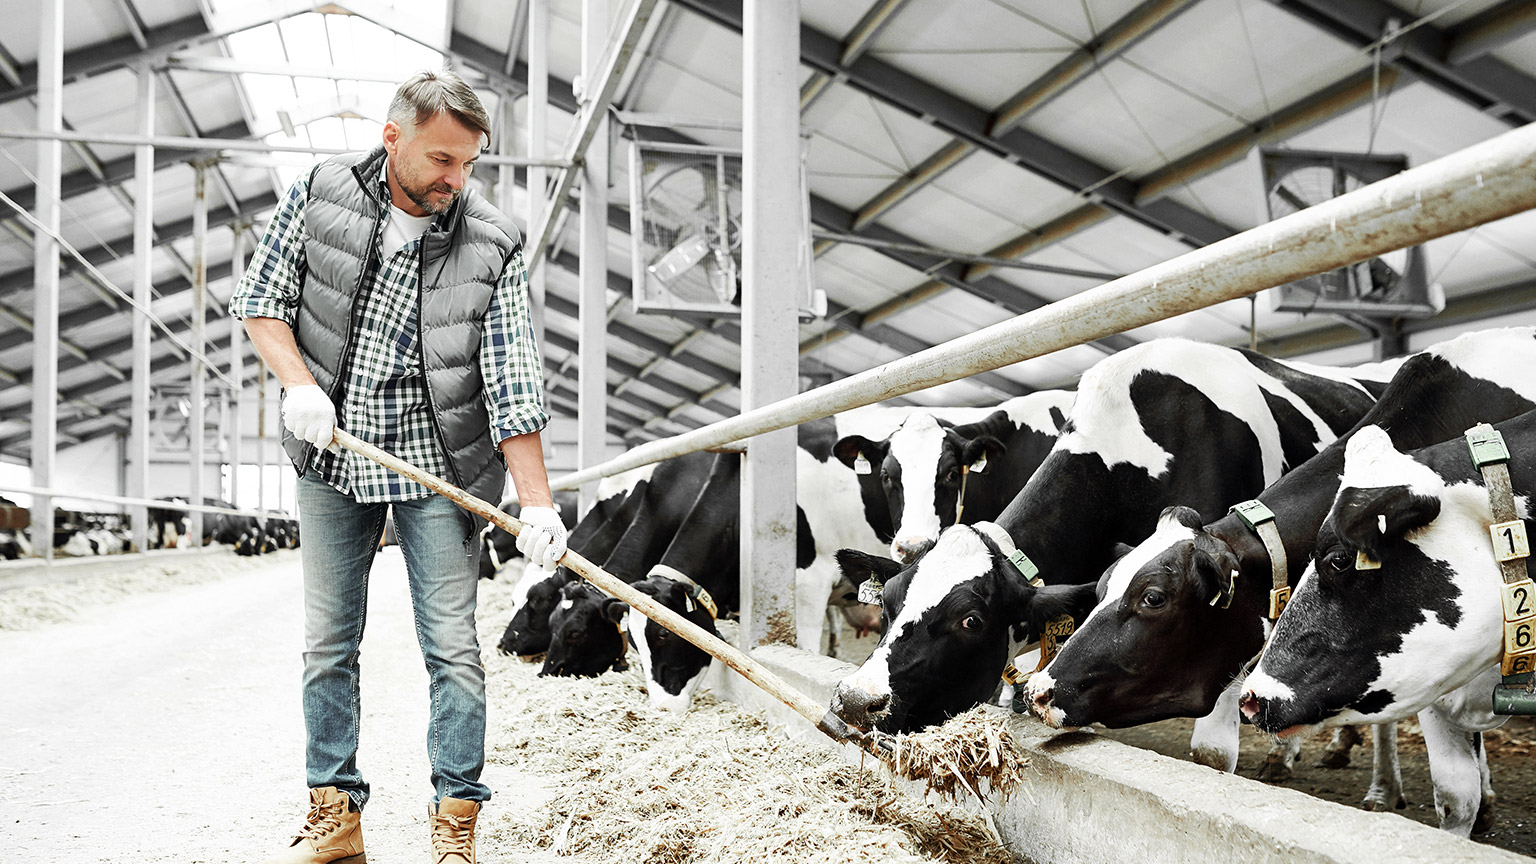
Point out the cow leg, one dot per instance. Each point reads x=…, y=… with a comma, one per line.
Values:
x=1280, y=761
x=1454, y=768
x=813, y=585
x=832, y=632
x=1336, y=754
x=1214, y=740
x=1386, y=792
x=1484, y=820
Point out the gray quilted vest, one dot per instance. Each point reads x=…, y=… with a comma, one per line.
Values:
x=462, y=256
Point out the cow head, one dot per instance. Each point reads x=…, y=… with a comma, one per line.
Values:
x=1152, y=648
x=586, y=636
x=673, y=666
x=952, y=620
x=534, y=597
x=1363, y=644
x=921, y=467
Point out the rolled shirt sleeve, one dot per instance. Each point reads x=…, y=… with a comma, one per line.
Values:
x=270, y=286
x=509, y=357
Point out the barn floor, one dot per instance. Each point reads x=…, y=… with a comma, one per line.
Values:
x=151, y=714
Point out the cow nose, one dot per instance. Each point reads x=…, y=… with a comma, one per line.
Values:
x=1250, y=705
x=1041, y=703
x=859, y=707
x=907, y=548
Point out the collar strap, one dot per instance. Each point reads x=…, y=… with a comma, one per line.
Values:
x=1261, y=520
x=1019, y=560
x=695, y=591
x=965, y=474
x=1511, y=548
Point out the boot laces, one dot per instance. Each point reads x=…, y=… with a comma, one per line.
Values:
x=323, y=819
x=452, y=835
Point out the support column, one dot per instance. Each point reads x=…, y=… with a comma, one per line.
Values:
x=199, y=343
x=237, y=369
x=45, y=264
x=143, y=286
x=770, y=276
x=592, y=365
x=538, y=146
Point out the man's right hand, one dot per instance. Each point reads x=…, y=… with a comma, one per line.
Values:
x=310, y=416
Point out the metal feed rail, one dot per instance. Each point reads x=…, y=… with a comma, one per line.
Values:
x=55, y=496
x=1462, y=190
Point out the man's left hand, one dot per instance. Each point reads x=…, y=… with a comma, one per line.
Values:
x=543, y=538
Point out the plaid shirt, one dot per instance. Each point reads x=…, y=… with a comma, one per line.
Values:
x=384, y=399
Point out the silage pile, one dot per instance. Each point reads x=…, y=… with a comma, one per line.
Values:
x=640, y=786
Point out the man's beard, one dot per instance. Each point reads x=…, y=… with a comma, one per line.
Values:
x=421, y=195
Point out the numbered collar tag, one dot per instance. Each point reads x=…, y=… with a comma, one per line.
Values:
x=702, y=597
x=862, y=466
x=869, y=591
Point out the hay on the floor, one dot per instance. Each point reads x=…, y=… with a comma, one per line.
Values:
x=633, y=785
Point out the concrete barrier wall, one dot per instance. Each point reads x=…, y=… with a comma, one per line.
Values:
x=1092, y=800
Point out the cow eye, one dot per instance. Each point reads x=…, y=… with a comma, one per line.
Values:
x=971, y=622
x=1338, y=561
x=950, y=477
x=1153, y=598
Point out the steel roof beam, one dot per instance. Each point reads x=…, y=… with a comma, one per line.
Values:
x=944, y=110
x=90, y=60
x=1489, y=30
x=1482, y=81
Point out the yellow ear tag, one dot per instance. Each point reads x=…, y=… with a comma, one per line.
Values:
x=1365, y=562
x=869, y=592
x=980, y=465
x=862, y=466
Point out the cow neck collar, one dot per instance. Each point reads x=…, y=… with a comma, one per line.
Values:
x=1512, y=549
x=1056, y=630
x=695, y=592
x=1261, y=520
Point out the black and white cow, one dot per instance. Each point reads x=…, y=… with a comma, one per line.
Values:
x=168, y=527
x=645, y=507
x=1157, y=648
x=586, y=633
x=1420, y=634
x=929, y=462
x=674, y=667
x=1165, y=422
x=15, y=539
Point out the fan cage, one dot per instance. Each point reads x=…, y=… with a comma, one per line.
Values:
x=1395, y=285
x=686, y=230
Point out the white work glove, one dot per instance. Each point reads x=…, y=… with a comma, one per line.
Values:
x=310, y=416
x=543, y=538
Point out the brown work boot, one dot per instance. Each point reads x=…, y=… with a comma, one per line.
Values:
x=453, y=831
x=333, y=833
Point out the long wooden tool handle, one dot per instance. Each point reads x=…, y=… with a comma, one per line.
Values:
x=728, y=654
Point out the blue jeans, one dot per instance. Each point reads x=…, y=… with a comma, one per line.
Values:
x=340, y=537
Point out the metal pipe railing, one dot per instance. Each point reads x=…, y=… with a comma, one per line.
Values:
x=1487, y=181
x=56, y=496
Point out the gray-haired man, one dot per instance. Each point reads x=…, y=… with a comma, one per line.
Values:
x=391, y=302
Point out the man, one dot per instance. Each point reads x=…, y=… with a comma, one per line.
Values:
x=392, y=303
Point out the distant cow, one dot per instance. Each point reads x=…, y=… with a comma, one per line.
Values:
x=927, y=465
x=1423, y=632
x=1165, y=422
x=1134, y=662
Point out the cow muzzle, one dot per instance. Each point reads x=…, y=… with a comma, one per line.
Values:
x=1040, y=693
x=859, y=707
x=907, y=549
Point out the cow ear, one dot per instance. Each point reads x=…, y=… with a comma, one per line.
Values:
x=615, y=610
x=1367, y=519
x=859, y=567
x=1215, y=566
x=859, y=453
x=980, y=450
x=648, y=585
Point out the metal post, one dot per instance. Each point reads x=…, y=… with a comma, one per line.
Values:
x=538, y=144
x=769, y=356
x=592, y=366
x=45, y=315
x=143, y=274
x=237, y=370
x=200, y=342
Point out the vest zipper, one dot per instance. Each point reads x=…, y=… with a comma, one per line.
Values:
x=363, y=285
x=421, y=355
